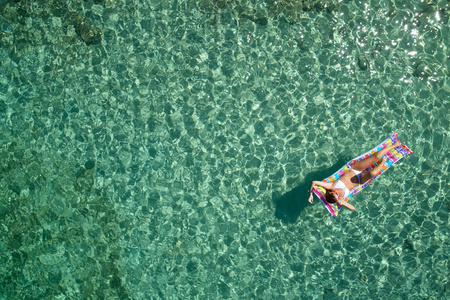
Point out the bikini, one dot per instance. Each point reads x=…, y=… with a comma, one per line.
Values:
x=341, y=185
x=358, y=175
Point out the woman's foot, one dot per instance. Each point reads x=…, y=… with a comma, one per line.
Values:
x=382, y=161
x=379, y=167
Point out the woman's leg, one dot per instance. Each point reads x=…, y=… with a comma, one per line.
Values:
x=363, y=164
x=367, y=175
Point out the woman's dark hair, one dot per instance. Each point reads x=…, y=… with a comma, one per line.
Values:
x=330, y=198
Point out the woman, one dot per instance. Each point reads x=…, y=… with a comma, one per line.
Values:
x=337, y=191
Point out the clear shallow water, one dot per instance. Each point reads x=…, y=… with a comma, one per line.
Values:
x=173, y=159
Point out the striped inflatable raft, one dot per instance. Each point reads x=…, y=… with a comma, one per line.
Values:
x=393, y=156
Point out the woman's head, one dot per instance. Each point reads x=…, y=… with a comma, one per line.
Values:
x=331, y=196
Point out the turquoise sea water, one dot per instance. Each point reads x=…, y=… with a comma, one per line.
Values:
x=171, y=155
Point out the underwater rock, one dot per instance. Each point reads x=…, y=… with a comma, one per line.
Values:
x=91, y=35
x=115, y=282
x=7, y=28
x=422, y=71
x=257, y=20
x=191, y=266
x=408, y=244
x=362, y=62
x=414, y=245
x=305, y=43
x=15, y=188
x=2, y=106
x=289, y=11
x=4, y=210
x=23, y=9
x=260, y=21
x=305, y=5
x=7, y=35
x=90, y=164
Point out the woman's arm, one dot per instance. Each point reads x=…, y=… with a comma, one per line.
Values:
x=326, y=185
x=345, y=204
x=319, y=183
